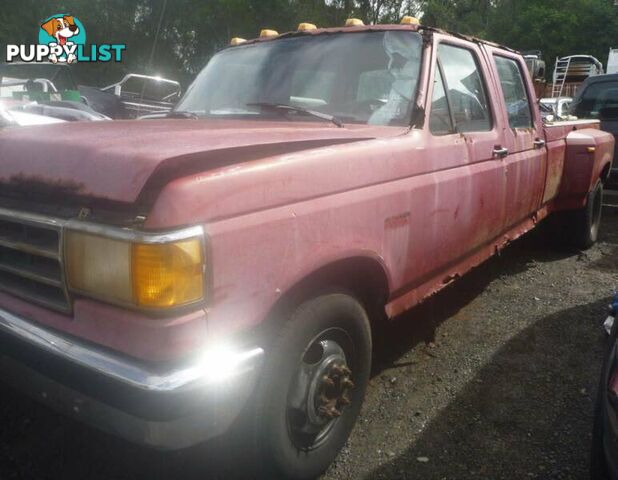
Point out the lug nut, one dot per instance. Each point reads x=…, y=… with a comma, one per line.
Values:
x=347, y=383
x=345, y=401
x=329, y=382
x=337, y=370
x=325, y=412
x=346, y=370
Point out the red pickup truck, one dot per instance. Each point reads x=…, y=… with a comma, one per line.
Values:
x=169, y=279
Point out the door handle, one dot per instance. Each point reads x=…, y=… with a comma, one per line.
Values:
x=539, y=143
x=500, y=152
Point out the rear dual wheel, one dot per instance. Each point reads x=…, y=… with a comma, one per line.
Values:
x=586, y=222
x=313, y=386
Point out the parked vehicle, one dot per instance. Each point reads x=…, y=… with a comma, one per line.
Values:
x=571, y=71
x=612, y=61
x=133, y=96
x=598, y=99
x=16, y=118
x=25, y=113
x=604, y=458
x=169, y=279
x=146, y=94
x=536, y=68
x=535, y=63
x=49, y=82
x=559, y=107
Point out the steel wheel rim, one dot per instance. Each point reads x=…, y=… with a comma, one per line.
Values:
x=320, y=390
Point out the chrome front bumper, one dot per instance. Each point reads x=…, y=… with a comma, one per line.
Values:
x=167, y=408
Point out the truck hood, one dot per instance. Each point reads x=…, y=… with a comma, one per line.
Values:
x=117, y=161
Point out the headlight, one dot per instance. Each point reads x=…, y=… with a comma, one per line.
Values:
x=148, y=275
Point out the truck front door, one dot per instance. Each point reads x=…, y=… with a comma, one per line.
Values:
x=466, y=210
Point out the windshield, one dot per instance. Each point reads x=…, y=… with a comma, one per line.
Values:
x=368, y=77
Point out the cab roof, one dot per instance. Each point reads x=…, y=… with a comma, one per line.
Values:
x=373, y=28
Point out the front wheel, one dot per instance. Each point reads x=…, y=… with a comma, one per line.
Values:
x=315, y=377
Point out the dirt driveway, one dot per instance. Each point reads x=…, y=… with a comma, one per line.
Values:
x=492, y=379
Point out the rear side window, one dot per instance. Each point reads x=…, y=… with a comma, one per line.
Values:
x=464, y=87
x=515, y=96
x=599, y=100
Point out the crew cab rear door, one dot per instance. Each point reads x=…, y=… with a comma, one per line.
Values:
x=525, y=158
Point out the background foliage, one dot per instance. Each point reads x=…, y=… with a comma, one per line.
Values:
x=192, y=30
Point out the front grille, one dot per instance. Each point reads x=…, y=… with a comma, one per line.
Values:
x=31, y=259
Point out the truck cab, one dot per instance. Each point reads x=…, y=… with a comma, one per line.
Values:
x=230, y=265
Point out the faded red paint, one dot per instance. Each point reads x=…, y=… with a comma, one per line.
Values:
x=280, y=201
x=113, y=160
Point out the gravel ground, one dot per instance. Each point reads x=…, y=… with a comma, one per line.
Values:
x=493, y=378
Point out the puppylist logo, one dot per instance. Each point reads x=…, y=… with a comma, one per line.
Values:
x=62, y=38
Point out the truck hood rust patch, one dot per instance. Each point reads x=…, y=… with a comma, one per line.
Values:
x=117, y=161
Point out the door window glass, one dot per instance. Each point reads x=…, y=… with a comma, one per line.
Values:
x=514, y=92
x=465, y=90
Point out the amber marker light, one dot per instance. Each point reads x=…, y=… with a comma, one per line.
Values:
x=267, y=33
x=408, y=20
x=306, y=27
x=354, y=22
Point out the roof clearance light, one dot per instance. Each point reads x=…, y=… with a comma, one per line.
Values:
x=354, y=22
x=266, y=33
x=237, y=41
x=407, y=20
x=306, y=27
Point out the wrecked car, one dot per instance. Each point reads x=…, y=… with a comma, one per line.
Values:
x=144, y=95
x=558, y=108
x=229, y=267
x=17, y=118
x=54, y=82
x=597, y=98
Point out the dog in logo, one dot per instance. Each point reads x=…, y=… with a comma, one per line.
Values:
x=62, y=29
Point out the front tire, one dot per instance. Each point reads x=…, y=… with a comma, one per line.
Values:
x=314, y=382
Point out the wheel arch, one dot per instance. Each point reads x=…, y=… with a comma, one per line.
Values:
x=363, y=275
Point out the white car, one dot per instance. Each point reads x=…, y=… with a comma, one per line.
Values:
x=560, y=106
x=16, y=118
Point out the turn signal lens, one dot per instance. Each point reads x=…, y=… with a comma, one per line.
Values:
x=237, y=41
x=165, y=275
x=354, y=22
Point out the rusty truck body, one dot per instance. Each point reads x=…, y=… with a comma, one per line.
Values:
x=167, y=279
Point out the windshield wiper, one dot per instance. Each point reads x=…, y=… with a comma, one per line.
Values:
x=290, y=108
x=181, y=114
